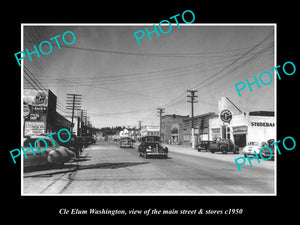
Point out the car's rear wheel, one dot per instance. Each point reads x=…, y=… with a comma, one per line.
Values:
x=223, y=150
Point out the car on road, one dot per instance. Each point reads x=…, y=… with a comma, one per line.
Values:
x=203, y=145
x=152, y=146
x=223, y=145
x=253, y=147
x=126, y=142
x=266, y=152
x=53, y=155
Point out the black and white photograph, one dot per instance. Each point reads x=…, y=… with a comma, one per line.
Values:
x=167, y=114
x=139, y=111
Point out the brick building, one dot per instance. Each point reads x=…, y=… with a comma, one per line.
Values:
x=201, y=128
x=177, y=129
x=171, y=128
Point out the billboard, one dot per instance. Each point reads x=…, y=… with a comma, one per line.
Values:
x=34, y=128
x=35, y=103
x=36, y=97
x=39, y=108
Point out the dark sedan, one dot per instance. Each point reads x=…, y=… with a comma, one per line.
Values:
x=152, y=146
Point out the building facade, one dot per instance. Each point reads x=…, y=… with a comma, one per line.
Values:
x=177, y=129
x=244, y=127
x=149, y=130
x=39, y=113
x=240, y=127
x=172, y=129
x=201, y=128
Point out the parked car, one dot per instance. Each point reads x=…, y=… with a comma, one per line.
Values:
x=152, y=146
x=224, y=146
x=203, y=145
x=75, y=144
x=53, y=155
x=85, y=141
x=126, y=142
x=266, y=152
x=253, y=147
x=92, y=139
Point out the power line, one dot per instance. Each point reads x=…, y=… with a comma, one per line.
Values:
x=180, y=55
x=219, y=73
x=40, y=86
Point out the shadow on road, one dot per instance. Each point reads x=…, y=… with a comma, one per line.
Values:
x=51, y=167
x=73, y=168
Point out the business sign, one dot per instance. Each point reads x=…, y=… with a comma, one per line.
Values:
x=262, y=124
x=36, y=97
x=226, y=116
x=34, y=116
x=34, y=128
x=240, y=130
x=26, y=110
x=39, y=109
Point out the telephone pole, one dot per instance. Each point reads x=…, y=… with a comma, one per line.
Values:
x=140, y=124
x=192, y=97
x=82, y=125
x=160, y=111
x=73, y=103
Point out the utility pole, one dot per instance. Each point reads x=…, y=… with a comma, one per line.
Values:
x=160, y=111
x=139, y=133
x=73, y=103
x=83, y=116
x=192, y=97
x=140, y=124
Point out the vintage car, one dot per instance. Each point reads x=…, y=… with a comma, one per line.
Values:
x=85, y=140
x=152, y=146
x=75, y=144
x=126, y=142
x=53, y=155
x=266, y=152
x=253, y=147
x=203, y=145
x=224, y=146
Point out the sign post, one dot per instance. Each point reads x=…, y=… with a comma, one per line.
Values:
x=226, y=117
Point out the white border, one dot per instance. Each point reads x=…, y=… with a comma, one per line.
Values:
x=150, y=24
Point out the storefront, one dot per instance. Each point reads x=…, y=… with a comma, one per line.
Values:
x=201, y=128
x=150, y=131
x=172, y=129
x=244, y=127
x=39, y=113
x=177, y=129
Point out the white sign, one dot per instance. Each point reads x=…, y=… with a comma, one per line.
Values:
x=34, y=128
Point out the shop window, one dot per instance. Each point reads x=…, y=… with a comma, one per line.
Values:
x=174, y=130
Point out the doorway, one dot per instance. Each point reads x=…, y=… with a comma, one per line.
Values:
x=240, y=140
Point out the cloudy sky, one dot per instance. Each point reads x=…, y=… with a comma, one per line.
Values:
x=122, y=82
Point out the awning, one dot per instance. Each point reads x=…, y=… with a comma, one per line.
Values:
x=239, y=130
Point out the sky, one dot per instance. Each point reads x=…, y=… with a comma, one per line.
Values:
x=122, y=82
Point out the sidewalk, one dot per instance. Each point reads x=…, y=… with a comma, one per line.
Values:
x=229, y=157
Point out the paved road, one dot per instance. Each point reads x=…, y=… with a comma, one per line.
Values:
x=104, y=168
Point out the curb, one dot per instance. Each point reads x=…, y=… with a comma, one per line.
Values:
x=218, y=156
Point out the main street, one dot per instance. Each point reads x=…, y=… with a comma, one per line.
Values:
x=104, y=168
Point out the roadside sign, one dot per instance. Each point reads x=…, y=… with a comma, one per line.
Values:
x=226, y=116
